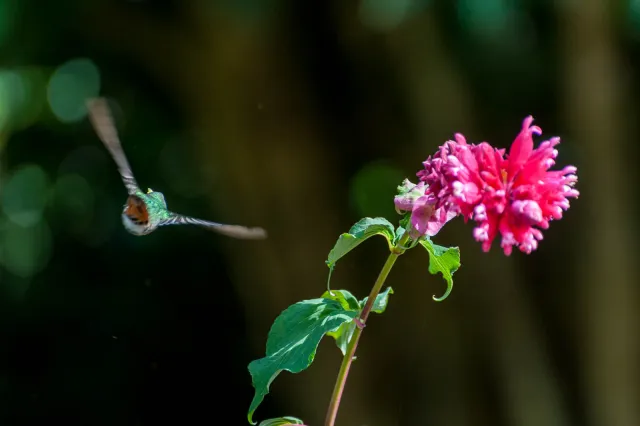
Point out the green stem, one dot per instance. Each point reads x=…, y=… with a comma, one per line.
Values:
x=334, y=404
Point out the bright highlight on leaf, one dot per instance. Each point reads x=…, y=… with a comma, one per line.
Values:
x=281, y=421
x=293, y=340
x=345, y=298
x=362, y=230
x=344, y=333
x=444, y=260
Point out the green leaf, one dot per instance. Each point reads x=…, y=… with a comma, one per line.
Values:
x=444, y=260
x=405, y=222
x=380, y=304
x=281, y=421
x=293, y=340
x=343, y=335
x=399, y=233
x=344, y=297
x=363, y=229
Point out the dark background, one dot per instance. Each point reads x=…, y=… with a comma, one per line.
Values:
x=302, y=117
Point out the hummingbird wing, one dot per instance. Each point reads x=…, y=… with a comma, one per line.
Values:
x=102, y=121
x=234, y=231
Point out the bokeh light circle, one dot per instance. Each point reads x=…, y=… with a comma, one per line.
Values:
x=69, y=87
x=12, y=96
x=26, y=249
x=373, y=189
x=25, y=195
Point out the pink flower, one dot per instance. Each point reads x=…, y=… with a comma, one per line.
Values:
x=426, y=219
x=516, y=197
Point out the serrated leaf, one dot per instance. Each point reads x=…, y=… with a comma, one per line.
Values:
x=445, y=260
x=344, y=297
x=293, y=340
x=363, y=229
x=281, y=421
x=380, y=304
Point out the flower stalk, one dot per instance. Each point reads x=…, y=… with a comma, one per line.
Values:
x=332, y=412
x=512, y=197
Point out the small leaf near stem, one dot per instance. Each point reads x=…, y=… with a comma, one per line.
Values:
x=445, y=260
x=361, y=231
x=334, y=404
x=344, y=333
x=282, y=421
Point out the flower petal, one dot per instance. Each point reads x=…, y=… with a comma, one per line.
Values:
x=521, y=147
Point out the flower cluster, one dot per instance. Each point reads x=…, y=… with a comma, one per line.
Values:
x=516, y=196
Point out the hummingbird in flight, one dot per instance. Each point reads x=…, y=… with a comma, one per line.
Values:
x=144, y=212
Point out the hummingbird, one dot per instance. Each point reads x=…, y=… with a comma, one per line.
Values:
x=144, y=212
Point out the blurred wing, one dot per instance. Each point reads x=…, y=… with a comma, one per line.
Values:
x=102, y=121
x=234, y=231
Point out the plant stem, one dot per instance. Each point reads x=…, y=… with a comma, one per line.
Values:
x=334, y=404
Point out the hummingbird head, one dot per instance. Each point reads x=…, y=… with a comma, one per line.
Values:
x=135, y=216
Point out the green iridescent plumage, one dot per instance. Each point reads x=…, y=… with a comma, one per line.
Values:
x=156, y=204
x=144, y=212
